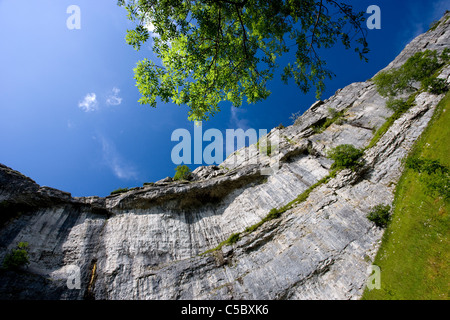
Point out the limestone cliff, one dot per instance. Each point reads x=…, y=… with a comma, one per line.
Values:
x=148, y=243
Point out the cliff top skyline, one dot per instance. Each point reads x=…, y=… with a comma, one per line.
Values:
x=69, y=112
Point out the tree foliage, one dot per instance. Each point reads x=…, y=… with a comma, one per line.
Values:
x=421, y=68
x=435, y=85
x=227, y=50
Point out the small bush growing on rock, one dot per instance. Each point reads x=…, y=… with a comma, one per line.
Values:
x=435, y=85
x=380, y=215
x=445, y=55
x=17, y=257
x=345, y=156
x=182, y=173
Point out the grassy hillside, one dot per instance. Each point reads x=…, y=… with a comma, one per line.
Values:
x=415, y=252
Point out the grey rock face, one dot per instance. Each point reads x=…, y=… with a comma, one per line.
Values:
x=148, y=243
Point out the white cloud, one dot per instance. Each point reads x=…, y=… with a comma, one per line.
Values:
x=119, y=166
x=236, y=121
x=114, y=99
x=89, y=103
x=153, y=34
x=150, y=28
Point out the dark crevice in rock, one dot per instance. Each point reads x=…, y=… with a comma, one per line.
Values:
x=359, y=125
x=264, y=235
x=322, y=268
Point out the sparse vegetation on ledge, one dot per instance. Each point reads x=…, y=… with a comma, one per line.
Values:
x=231, y=240
x=335, y=117
x=120, y=190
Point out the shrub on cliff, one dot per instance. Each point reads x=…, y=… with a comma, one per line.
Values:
x=182, y=173
x=17, y=257
x=345, y=156
x=421, y=67
x=380, y=215
x=435, y=85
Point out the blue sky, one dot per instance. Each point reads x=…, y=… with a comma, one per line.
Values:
x=69, y=116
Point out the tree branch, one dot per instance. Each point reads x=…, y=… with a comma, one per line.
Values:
x=244, y=32
x=352, y=18
x=239, y=4
x=315, y=27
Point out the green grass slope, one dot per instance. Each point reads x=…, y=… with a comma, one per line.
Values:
x=414, y=256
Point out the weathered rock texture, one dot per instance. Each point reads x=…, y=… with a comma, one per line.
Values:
x=147, y=243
